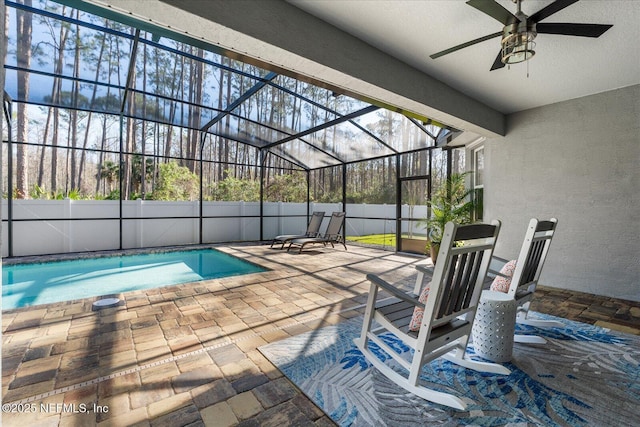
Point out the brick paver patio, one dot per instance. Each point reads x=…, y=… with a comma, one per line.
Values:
x=187, y=354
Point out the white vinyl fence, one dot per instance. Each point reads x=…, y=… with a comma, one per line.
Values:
x=62, y=226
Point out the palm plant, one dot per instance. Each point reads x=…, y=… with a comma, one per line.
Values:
x=451, y=202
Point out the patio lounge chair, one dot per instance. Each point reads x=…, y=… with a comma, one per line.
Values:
x=332, y=234
x=312, y=230
x=520, y=280
x=448, y=313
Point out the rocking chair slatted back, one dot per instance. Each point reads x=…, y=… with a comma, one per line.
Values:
x=462, y=266
x=532, y=256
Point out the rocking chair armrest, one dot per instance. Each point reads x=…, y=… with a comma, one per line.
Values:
x=394, y=291
x=496, y=265
x=422, y=268
x=497, y=273
x=497, y=258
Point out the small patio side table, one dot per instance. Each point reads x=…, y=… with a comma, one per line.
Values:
x=494, y=326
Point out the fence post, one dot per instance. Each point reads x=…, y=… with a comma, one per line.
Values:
x=242, y=220
x=139, y=223
x=204, y=221
x=67, y=227
x=196, y=222
x=280, y=219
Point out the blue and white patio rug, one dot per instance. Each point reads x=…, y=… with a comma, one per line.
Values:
x=583, y=376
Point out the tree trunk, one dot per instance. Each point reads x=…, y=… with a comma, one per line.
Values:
x=85, y=141
x=218, y=140
x=45, y=137
x=55, y=91
x=54, y=151
x=23, y=55
x=143, y=131
x=73, y=116
x=172, y=109
x=103, y=141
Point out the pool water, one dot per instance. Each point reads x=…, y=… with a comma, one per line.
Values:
x=31, y=284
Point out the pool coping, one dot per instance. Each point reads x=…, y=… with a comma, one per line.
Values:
x=69, y=256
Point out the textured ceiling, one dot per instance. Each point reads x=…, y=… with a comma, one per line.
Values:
x=564, y=67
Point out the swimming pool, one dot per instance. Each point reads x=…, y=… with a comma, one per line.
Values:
x=42, y=283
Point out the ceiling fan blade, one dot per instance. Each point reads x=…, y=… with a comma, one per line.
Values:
x=494, y=10
x=463, y=45
x=581, y=30
x=554, y=7
x=497, y=64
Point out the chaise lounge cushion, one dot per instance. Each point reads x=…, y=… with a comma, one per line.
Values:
x=502, y=281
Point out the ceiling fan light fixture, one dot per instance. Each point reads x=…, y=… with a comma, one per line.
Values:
x=518, y=40
x=518, y=47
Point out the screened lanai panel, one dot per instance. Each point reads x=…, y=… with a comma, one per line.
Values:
x=210, y=57
x=102, y=56
x=395, y=129
x=435, y=130
x=68, y=93
x=185, y=74
x=81, y=17
x=303, y=154
x=246, y=131
x=160, y=109
x=223, y=150
x=283, y=110
x=319, y=100
x=348, y=143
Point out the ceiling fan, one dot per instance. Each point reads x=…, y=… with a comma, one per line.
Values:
x=520, y=30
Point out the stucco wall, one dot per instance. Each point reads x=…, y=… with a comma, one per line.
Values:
x=579, y=161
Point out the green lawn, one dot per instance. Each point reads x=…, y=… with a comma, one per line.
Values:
x=377, y=239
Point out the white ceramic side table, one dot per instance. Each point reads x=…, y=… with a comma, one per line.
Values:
x=494, y=326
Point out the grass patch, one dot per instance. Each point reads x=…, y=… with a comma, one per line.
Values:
x=378, y=239
x=375, y=239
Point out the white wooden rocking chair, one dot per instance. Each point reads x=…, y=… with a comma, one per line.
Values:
x=450, y=309
x=526, y=274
